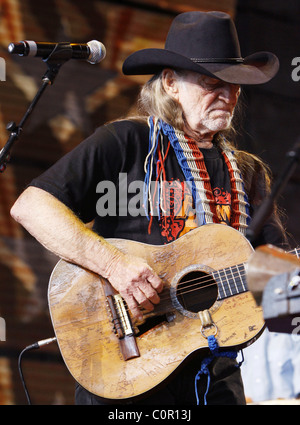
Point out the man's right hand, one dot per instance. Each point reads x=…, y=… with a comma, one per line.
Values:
x=136, y=282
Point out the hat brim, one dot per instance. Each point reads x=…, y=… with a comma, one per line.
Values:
x=257, y=68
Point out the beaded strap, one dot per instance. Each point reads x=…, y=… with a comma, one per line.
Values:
x=193, y=167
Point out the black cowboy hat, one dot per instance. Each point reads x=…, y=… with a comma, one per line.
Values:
x=204, y=42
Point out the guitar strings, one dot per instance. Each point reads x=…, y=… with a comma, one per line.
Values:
x=207, y=278
x=235, y=274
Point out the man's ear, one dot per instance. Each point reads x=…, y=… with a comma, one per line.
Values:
x=170, y=83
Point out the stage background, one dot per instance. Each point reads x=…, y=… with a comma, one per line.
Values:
x=85, y=96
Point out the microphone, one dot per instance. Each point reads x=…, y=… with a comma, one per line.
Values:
x=93, y=51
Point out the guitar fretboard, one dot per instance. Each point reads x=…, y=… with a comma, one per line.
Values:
x=232, y=280
x=296, y=251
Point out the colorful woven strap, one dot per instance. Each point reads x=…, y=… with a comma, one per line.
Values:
x=193, y=167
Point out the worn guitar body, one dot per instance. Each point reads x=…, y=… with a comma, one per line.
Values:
x=83, y=325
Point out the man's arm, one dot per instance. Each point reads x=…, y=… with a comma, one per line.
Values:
x=57, y=228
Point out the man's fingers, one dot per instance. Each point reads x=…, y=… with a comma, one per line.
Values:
x=143, y=299
x=138, y=284
x=144, y=296
x=155, y=280
x=133, y=307
x=150, y=293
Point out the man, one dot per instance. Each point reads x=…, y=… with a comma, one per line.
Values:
x=177, y=136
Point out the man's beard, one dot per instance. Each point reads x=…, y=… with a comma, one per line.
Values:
x=218, y=123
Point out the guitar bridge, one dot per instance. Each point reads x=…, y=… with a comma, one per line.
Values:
x=122, y=315
x=121, y=323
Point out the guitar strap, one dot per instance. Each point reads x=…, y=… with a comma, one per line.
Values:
x=204, y=370
x=193, y=167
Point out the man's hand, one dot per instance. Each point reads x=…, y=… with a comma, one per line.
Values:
x=62, y=232
x=136, y=282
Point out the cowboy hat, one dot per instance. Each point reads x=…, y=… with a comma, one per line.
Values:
x=207, y=43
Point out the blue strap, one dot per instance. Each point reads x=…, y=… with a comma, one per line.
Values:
x=204, y=369
x=169, y=131
x=147, y=180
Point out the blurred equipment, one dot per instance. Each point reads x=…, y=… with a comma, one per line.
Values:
x=273, y=277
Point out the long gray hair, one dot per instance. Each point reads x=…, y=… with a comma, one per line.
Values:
x=154, y=101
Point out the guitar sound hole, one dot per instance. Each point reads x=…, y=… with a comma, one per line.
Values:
x=197, y=291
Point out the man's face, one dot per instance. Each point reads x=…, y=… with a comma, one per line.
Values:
x=208, y=103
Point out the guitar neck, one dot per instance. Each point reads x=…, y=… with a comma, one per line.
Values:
x=232, y=280
x=295, y=251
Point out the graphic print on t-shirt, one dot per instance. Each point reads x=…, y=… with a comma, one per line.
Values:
x=178, y=212
x=223, y=205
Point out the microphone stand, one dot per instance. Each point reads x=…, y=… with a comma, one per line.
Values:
x=266, y=208
x=54, y=62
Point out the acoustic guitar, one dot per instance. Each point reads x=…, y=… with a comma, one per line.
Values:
x=205, y=293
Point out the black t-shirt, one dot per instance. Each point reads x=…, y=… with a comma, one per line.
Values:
x=102, y=180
